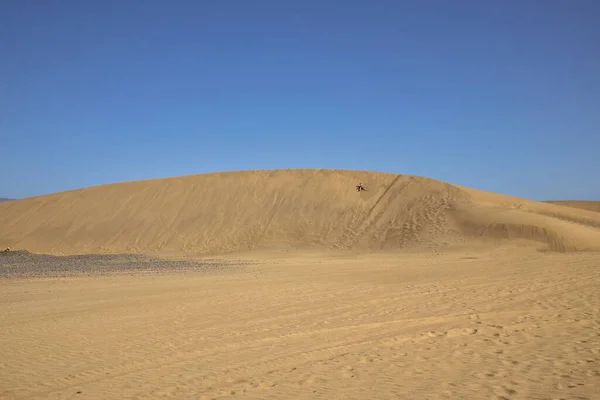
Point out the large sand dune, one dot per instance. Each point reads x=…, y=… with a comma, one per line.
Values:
x=285, y=209
x=443, y=297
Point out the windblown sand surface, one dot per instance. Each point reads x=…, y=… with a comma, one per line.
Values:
x=583, y=204
x=502, y=323
x=290, y=284
x=285, y=209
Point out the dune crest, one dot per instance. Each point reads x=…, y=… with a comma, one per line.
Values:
x=582, y=204
x=284, y=209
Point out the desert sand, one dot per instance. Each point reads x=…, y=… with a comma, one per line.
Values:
x=583, y=204
x=414, y=289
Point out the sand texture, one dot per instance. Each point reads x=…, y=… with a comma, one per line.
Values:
x=503, y=323
x=285, y=209
x=289, y=284
x=583, y=204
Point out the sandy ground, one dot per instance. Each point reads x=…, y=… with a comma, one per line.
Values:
x=582, y=204
x=413, y=289
x=504, y=322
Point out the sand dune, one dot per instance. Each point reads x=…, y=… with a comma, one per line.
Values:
x=583, y=204
x=285, y=209
x=415, y=289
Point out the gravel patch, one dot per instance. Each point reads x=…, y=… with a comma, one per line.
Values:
x=23, y=264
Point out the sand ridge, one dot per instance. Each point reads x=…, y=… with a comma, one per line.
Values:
x=295, y=209
x=590, y=205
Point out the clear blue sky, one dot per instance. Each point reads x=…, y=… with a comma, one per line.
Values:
x=497, y=95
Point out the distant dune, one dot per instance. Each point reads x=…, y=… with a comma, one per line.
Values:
x=583, y=204
x=285, y=209
x=4, y=199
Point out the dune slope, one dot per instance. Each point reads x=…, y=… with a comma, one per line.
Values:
x=583, y=204
x=295, y=208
